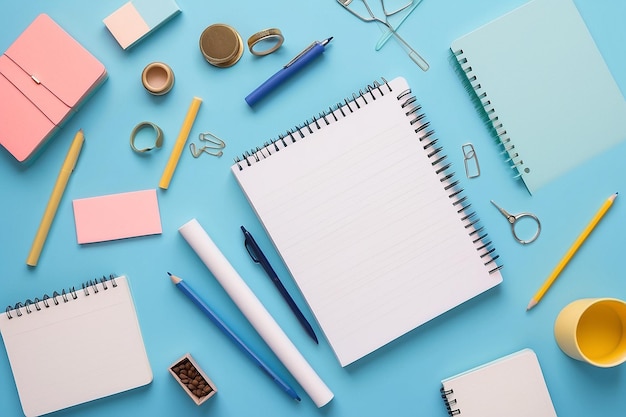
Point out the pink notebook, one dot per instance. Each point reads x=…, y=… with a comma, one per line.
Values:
x=117, y=216
x=44, y=76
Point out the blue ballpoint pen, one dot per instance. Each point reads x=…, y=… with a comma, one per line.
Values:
x=186, y=289
x=309, y=54
x=257, y=256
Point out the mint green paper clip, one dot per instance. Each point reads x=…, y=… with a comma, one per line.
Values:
x=387, y=33
x=367, y=15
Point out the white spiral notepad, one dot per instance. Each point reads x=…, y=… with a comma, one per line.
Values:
x=75, y=346
x=511, y=386
x=372, y=225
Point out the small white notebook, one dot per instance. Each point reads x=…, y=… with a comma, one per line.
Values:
x=544, y=87
x=512, y=386
x=80, y=345
x=366, y=215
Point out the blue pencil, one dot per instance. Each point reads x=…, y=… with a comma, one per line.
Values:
x=186, y=289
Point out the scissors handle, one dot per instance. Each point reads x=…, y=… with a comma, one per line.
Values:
x=534, y=237
x=513, y=218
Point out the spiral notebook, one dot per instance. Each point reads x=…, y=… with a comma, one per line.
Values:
x=538, y=77
x=75, y=346
x=512, y=386
x=371, y=223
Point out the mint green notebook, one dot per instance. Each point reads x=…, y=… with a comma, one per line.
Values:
x=545, y=88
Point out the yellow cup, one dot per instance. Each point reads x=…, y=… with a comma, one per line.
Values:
x=593, y=330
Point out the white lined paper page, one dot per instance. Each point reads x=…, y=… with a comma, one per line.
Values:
x=365, y=227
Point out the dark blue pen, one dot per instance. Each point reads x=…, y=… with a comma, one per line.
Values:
x=257, y=256
x=300, y=61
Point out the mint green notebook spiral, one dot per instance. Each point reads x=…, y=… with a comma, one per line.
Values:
x=544, y=87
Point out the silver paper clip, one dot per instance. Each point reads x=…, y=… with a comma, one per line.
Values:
x=216, y=144
x=472, y=168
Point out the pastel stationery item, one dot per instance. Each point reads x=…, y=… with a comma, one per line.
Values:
x=255, y=312
x=77, y=346
x=177, y=150
x=395, y=23
x=593, y=330
x=157, y=78
x=55, y=198
x=308, y=55
x=208, y=311
x=572, y=251
x=138, y=18
x=542, y=84
x=511, y=386
x=117, y=216
x=45, y=75
x=378, y=243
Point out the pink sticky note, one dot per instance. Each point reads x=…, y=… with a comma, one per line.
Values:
x=117, y=216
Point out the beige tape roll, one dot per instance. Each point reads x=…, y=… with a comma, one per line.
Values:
x=158, y=140
x=265, y=41
x=157, y=78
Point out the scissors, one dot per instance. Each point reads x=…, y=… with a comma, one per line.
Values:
x=513, y=218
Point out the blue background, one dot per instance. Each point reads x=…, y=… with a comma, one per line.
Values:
x=402, y=378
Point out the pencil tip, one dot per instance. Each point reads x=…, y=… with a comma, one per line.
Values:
x=174, y=278
x=531, y=304
x=169, y=273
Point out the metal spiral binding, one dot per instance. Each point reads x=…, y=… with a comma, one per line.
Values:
x=450, y=402
x=333, y=114
x=484, y=104
x=442, y=167
x=57, y=298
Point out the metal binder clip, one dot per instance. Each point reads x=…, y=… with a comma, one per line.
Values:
x=513, y=218
x=216, y=144
x=472, y=169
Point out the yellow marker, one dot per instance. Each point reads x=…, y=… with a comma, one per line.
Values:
x=55, y=198
x=180, y=143
x=572, y=250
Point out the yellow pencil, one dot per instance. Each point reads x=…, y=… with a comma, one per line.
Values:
x=55, y=198
x=571, y=251
x=180, y=143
